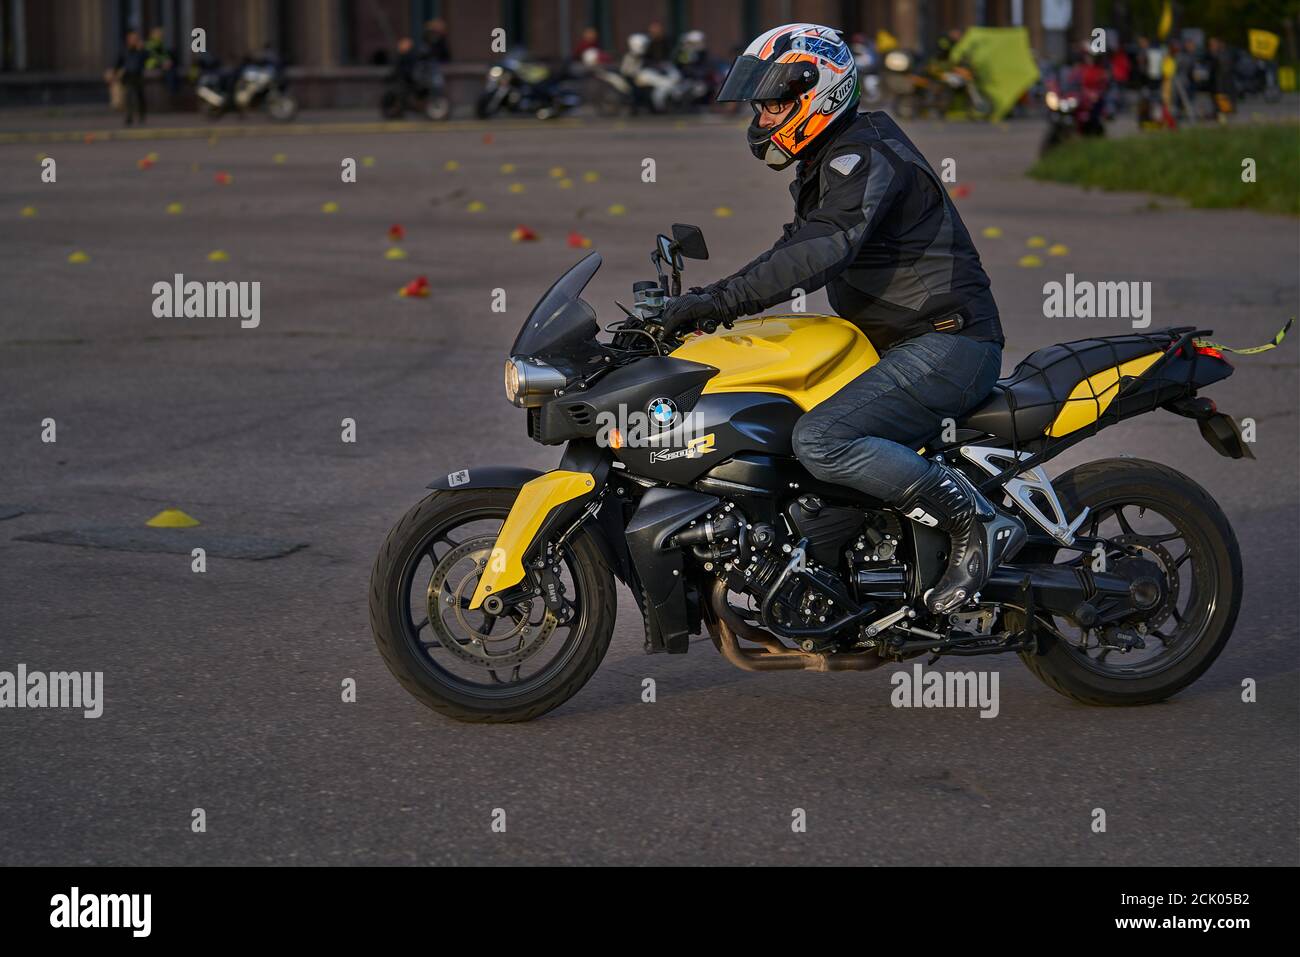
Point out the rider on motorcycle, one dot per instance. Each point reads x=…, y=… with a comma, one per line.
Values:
x=874, y=224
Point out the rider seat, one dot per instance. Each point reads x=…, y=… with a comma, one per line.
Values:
x=1065, y=387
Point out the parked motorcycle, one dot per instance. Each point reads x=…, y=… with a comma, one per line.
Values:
x=425, y=93
x=493, y=599
x=256, y=83
x=519, y=86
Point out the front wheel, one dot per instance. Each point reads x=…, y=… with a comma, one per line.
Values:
x=282, y=107
x=1144, y=511
x=471, y=665
x=437, y=108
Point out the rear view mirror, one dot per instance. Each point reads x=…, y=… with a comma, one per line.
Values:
x=690, y=241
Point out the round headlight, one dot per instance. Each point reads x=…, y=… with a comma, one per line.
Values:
x=496, y=72
x=515, y=377
x=1052, y=99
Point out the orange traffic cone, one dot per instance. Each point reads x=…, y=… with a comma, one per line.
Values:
x=223, y=179
x=396, y=233
x=522, y=234
x=579, y=241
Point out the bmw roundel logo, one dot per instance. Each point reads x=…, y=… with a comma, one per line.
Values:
x=662, y=411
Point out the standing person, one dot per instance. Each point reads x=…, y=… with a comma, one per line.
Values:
x=161, y=58
x=1224, y=80
x=658, y=51
x=129, y=70
x=875, y=226
x=436, y=46
x=590, y=40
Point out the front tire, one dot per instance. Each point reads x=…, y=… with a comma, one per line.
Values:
x=1213, y=583
x=458, y=681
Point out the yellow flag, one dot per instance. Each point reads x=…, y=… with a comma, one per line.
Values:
x=1166, y=20
x=1262, y=44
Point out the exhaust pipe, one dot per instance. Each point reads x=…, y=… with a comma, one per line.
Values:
x=727, y=628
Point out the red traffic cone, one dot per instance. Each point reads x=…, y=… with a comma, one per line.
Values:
x=487, y=139
x=579, y=241
x=223, y=179
x=145, y=163
x=417, y=288
x=522, y=234
x=396, y=233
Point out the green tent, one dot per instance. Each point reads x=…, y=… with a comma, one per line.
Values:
x=1003, y=65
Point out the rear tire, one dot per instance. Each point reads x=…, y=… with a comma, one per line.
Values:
x=389, y=609
x=1207, y=529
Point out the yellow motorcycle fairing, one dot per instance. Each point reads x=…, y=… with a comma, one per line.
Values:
x=537, y=499
x=807, y=359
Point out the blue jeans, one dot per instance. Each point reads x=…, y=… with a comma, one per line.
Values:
x=859, y=437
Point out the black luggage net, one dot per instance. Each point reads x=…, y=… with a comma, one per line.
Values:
x=1039, y=391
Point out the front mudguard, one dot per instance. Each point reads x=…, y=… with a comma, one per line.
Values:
x=554, y=501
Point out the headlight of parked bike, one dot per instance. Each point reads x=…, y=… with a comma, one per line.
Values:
x=898, y=61
x=528, y=380
x=1052, y=100
x=496, y=72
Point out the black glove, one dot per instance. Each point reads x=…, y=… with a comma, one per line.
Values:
x=692, y=311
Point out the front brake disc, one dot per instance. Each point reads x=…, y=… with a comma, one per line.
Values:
x=449, y=596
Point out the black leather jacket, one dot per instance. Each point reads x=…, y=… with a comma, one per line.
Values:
x=875, y=225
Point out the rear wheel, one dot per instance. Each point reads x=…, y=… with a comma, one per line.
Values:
x=472, y=665
x=1161, y=517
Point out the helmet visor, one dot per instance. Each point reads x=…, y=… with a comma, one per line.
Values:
x=754, y=79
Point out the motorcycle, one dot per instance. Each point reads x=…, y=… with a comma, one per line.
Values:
x=426, y=94
x=519, y=86
x=493, y=599
x=256, y=83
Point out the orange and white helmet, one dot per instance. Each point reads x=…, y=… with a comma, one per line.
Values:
x=804, y=62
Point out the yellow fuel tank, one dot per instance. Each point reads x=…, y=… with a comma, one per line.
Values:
x=805, y=358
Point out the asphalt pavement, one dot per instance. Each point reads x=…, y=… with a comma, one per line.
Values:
x=223, y=689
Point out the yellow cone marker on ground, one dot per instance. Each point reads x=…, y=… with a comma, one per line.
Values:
x=992, y=232
x=1036, y=242
x=28, y=212
x=172, y=518
x=516, y=187
x=278, y=159
x=507, y=168
x=722, y=212
x=152, y=157
x=618, y=209
x=174, y=208
x=475, y=207
x=451, y=166
x=590, y=176
x=367, y=161
x=557, y=172
x=330, y=207
x=218, y=256
x=1030, y=262
x=1059, y=249
x=395, y=252
x=78, y=257
x=565, y=184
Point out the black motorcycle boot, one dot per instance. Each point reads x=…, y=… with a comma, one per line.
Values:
x=982, y=537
